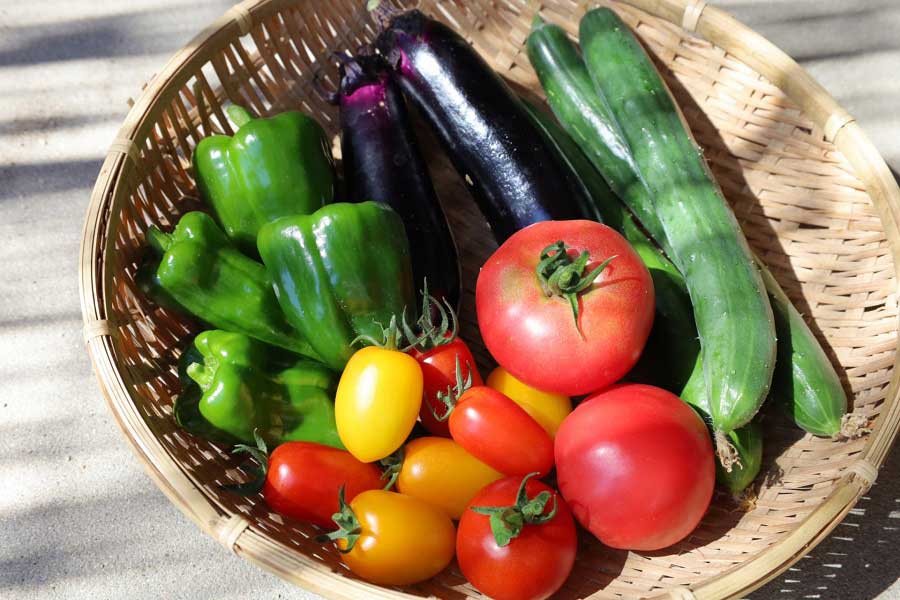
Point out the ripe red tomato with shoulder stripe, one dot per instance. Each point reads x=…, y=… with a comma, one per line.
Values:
x=437, y=347
x=636, y=465
x=565, y=306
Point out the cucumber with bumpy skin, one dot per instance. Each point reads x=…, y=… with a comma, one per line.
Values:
x=805, y=384
x=746, y=443
x=588, y=120
x=731, y=309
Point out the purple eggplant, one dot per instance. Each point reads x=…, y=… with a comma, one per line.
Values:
x=382, y=162
x=516, y=177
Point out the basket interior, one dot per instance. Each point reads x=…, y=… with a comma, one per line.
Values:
x=800, y=204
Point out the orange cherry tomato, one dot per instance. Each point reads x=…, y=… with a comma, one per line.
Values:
x=389, y=538
x=442, y=473
x=547, y=408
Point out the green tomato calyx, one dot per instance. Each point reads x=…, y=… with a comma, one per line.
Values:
x=391, y=337
x=451, y=397
x=559, y=275
x=507, y=522
x=432, y=334
x=392, y=465
x=348, y=529
x=261, y=455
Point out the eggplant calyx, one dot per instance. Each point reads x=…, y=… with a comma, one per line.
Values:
x=507, y=522
x=559, y=275
x=348, y=529
x=451, y=397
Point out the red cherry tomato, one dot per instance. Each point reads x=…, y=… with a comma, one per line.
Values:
x=439, y=351
x=303, y=480
x=636, y=465
x=439, y=373
x=533, y=564
x=529, y=324
x=499, y=433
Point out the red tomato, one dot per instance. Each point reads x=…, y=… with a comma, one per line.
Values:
x=439, y=372
x=535, y=563
x=636, y=465
x=534, y=335
x=303, y=480
x=499, y=433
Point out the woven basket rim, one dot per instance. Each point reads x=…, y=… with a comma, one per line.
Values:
x=709, y=23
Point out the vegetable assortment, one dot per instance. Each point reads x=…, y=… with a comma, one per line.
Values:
x=622, y=285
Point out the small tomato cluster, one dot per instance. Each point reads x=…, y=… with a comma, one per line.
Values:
x=633, y=464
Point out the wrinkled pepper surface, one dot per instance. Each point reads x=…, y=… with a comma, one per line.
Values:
x=270, y=168
x=247, y=386
x=339, y=273
x=203, y=272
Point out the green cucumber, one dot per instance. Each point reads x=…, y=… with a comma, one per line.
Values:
x=805, y=384
x=588, y=120
x=804, y=377
x=743, y=459
x=731, y=309
x=673, y=339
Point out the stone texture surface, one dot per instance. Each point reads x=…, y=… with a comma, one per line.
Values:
x=78, y=516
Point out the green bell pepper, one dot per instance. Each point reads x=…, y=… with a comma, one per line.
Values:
x=339, y=273
x=270, y=168
x=247, y=386
x=201, y=271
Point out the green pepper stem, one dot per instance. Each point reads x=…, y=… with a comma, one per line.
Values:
x=158, y=239
x=200, y=373
x=239, y=115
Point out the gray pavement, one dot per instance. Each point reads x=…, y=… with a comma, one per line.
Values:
x=78, y=516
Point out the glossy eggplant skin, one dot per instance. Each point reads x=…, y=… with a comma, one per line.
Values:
x=382, y=163
x=515, y=176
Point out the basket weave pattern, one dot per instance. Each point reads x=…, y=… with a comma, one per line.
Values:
x=829, y=239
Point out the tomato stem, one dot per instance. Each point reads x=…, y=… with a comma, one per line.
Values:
x=507, y=522
x=559, y=275
x=432, y=334
x=392, y=465
x=391, y=337
x=348, y=529
x=451, y=397
x=261, y=454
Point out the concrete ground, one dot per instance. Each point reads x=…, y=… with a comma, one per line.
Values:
x=78, y=516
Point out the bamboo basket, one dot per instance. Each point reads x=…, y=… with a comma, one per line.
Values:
x=814, y=197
